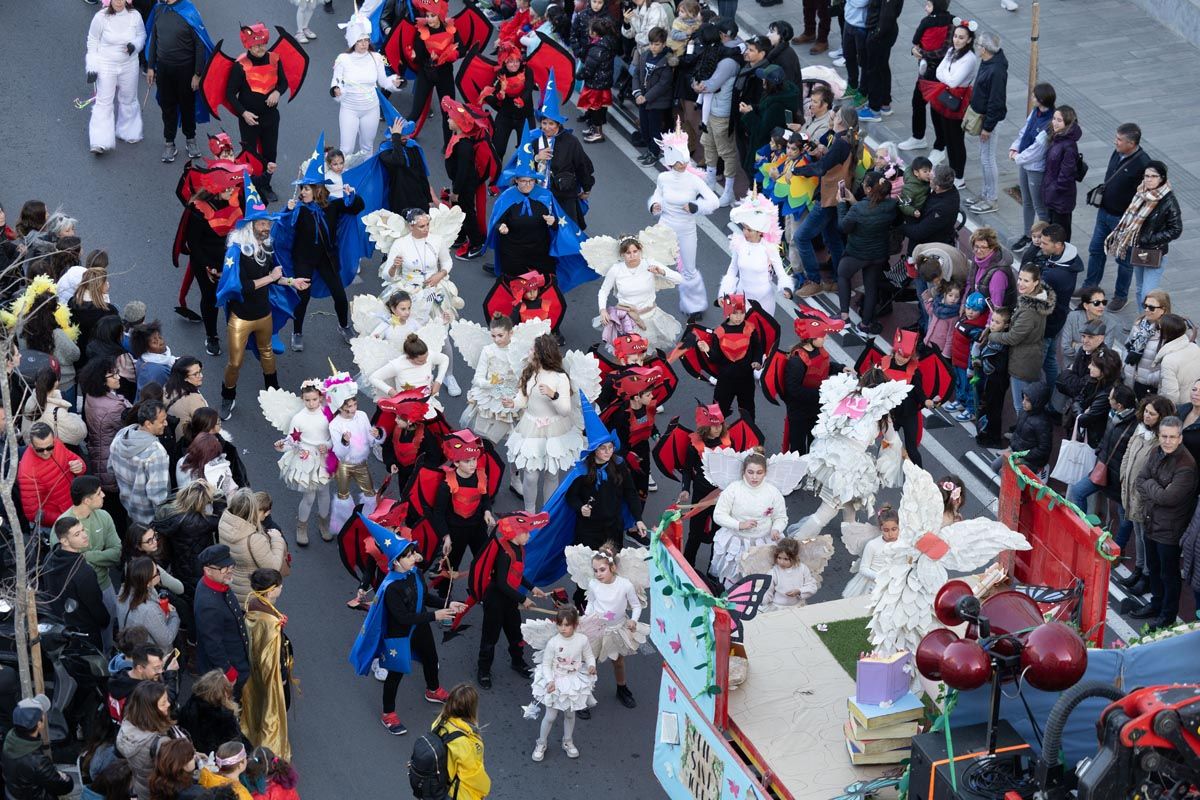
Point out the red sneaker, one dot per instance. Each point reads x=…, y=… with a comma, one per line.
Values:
x=393, y=724
x=438, y=696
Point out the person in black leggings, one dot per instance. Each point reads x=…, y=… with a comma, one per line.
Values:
x=314, y=248
x=867, y=225
x=901, y=365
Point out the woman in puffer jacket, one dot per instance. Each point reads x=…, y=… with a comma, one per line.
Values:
x=251, y=546
x=1151, y=411
x=1026, y=331
x=187, y=525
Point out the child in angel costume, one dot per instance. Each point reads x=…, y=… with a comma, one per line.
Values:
x=418, y=366
x=680, y=196
x=303, y=467
x=615, y=585
x=869, y=543
x=353, y=436
x=547, y=440
x=917, y=564
x=563, y=680
x=497, y=354
x=795, y=568
x=755, y=268
x=751, y=510
x=633, y=268
x=391, y=320
x=855, y=450
x=418, y=262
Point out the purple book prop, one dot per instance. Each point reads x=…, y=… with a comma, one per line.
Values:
x=883, y=679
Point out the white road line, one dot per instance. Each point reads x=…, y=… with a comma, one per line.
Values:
x=1119, y=626
x=982, y=465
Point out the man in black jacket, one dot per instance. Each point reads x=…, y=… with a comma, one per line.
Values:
x=1061, y=273
x=67, y=576
x=882, y=32
x=29, y=774
x=939, y=216
x=221, y=639
x=1126, y=167
x=987, y=100
x=175, y=57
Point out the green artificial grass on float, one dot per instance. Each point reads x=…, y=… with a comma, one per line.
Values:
x=846, y=639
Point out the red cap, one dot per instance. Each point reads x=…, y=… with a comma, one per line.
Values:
x=635, y=380
x=707, y=416
x=629, y=344
x=904, y=343
x=510, y=526
x=462, y=446
x=731, y=303
x=410, y=405
x=526, y=282
x=439, y=8
x=812, y=324
x=255, y=34
x=219, y=143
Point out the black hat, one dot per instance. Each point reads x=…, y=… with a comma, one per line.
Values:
x=30, y=711
x=216, y=555
x=1095, y=328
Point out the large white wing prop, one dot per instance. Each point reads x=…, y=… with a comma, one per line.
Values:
x=279, y=406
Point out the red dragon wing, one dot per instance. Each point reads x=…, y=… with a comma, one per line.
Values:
x=294, y=60
x=475, y=73
x=473, y=27
x=550, y=55
x=671, y=450
x=495, y=467
x=423, y=489
x=745, y=435
x=251, y=161
x=935, y=377
x=664, y=390
x=772, y=377
x=499, y=300
x=695, y=362
x=215, y=81
x=768, y=327
x=398, y=48
x=871, y=356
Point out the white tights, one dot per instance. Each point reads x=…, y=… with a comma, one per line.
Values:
x=318, y=496
x=815, y=522
x=548, y=723
x=358, y=127
x=529, y=487
x=304, y=12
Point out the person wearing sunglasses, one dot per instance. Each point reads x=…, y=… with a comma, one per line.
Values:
x=1092, y=305
x=44, y=476
x=1141, y=238
x=1141, y=346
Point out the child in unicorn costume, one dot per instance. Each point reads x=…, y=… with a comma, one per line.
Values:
x=680, y=196
x=755, y=268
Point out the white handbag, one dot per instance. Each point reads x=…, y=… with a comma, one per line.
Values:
x=1075, y=460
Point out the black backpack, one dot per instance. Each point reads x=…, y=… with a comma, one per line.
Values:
x=429, y=766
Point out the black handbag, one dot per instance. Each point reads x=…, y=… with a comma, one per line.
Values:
x=1146, y=257
x=949, y=100
x=1095, y=196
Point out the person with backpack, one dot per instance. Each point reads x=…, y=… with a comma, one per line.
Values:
x=449, y=763
x=1063, y=167
x=397, y=626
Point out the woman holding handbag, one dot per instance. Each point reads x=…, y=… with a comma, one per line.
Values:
x=1152, y=220
x=1150, y=411
x=950, y=94
x=1106, y=475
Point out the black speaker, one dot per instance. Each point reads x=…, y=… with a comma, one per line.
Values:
x=977, y=775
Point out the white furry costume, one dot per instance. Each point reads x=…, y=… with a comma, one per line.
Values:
x=674, y=191
x=755, y=268
x=357, y=75
x=117, y=78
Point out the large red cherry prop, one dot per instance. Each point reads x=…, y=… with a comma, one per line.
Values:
x=1054, y=657
x=965, y=665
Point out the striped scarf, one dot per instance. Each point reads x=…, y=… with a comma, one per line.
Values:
x=1125, y=235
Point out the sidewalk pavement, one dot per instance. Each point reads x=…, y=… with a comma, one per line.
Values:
x=1109, y=60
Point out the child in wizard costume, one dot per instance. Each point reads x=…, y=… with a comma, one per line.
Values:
x=397, y=627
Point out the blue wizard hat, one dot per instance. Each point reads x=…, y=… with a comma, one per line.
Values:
x=390, y=114
x=597, y=434
x=550, y=99
x=314, y=168
x=254, y=207
x=523, y=165
x=390, y=543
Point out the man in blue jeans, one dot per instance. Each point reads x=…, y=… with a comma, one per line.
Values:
x=1125, y=169
x=834, y=163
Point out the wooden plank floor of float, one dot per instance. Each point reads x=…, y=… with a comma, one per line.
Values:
x=788, y=715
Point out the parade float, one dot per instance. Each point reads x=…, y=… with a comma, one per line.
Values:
x=1000, y=695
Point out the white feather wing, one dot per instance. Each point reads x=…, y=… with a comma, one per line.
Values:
x=469, y=339
x=366, y=313
x=975, y=542
x=537, y=633
x=584, y=371
x=444, y=224
x=601, y=253
x=433, y=334
x=579, y=564
x=785, y=471
x=279, y=406
x=722, y=466
x=635, y=567
x=370, y=353
x=521, y=346
x=815, y=554
x=758, y=560
x=384, y=228
x=855, y=536
x=661, y=244
x=920, y=506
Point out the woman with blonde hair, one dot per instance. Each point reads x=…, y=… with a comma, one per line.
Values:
x=460, y=715
x=266, y=696
x=1141, y=346
x=187, y=525
x=210, y=715
x=251, y=546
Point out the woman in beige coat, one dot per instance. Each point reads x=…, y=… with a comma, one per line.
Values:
x=1150, y=412
x=252, y=548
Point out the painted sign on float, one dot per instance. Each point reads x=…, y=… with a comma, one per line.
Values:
x=692, y=761
x=678, y=627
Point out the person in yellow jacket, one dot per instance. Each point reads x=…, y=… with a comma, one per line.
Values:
x=230, y=763
x=461, y=713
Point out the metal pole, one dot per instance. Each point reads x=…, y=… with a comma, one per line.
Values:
x=1033, y=57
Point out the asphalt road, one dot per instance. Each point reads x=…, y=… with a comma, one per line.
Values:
x=125, y=203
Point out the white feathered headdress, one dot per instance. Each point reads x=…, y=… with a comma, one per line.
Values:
x=758, y=213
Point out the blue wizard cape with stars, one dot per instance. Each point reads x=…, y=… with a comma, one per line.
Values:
x=395, y=653
x=283, y=299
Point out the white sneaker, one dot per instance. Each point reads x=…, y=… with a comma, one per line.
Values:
x=300, y=37
x=653, y=486
x=571, y=750
x=452, y=386
x=539, y=751
x=1009, y=5
x=379, y=672
x=937, y=156
x=960, y=183
x=913, y=143
x=309, y=33
x=835, y=54
x=839, y=62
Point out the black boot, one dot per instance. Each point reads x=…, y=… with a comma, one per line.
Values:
x=271, y=381
x=483, y=672
x=228, y=401
x=517, y=662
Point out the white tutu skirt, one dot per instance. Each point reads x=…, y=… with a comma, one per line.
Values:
x=572, y=692
x=840, y=477
x=302, y=474
x=486, y=415
x=612, y=639
x=727, y=551
x=545, y=444
x=662, y=330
